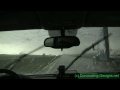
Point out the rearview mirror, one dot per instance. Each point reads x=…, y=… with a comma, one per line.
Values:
x=62, y=42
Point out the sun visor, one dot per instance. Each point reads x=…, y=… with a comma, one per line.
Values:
x=19, y=20
x=102, y=19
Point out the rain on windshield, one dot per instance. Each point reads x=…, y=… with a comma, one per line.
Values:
x=23, y=51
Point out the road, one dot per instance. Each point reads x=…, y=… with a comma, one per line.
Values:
x=36, y=64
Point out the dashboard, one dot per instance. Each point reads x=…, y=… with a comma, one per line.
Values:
x=60, y=74
x=67, y=76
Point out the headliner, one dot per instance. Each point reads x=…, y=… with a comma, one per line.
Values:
x=54, y=20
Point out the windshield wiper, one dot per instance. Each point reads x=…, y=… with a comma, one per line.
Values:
x=11, y=65
x=87, y=49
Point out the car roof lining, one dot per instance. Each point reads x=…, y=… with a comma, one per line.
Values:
x=22, y=20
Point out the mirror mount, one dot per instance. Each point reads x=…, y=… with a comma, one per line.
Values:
x=62, y=31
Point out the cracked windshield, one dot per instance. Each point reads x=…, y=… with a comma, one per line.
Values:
x=23, y=51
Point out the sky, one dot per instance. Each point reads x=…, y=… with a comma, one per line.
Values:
x=24, y=41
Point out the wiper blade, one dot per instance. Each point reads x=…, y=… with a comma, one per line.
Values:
x=11, y=65
x=87, y=49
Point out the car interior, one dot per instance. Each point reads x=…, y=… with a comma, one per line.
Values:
x=59, y=44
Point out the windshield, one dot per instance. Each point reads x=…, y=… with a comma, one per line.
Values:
x=23, y=51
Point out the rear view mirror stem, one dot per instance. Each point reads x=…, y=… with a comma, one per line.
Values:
x=62, y=31
x=62, y=34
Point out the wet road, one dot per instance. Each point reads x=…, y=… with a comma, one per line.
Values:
x=48, y=64
x=28, y=65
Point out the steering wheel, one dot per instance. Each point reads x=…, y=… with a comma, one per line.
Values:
x=13, y=74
